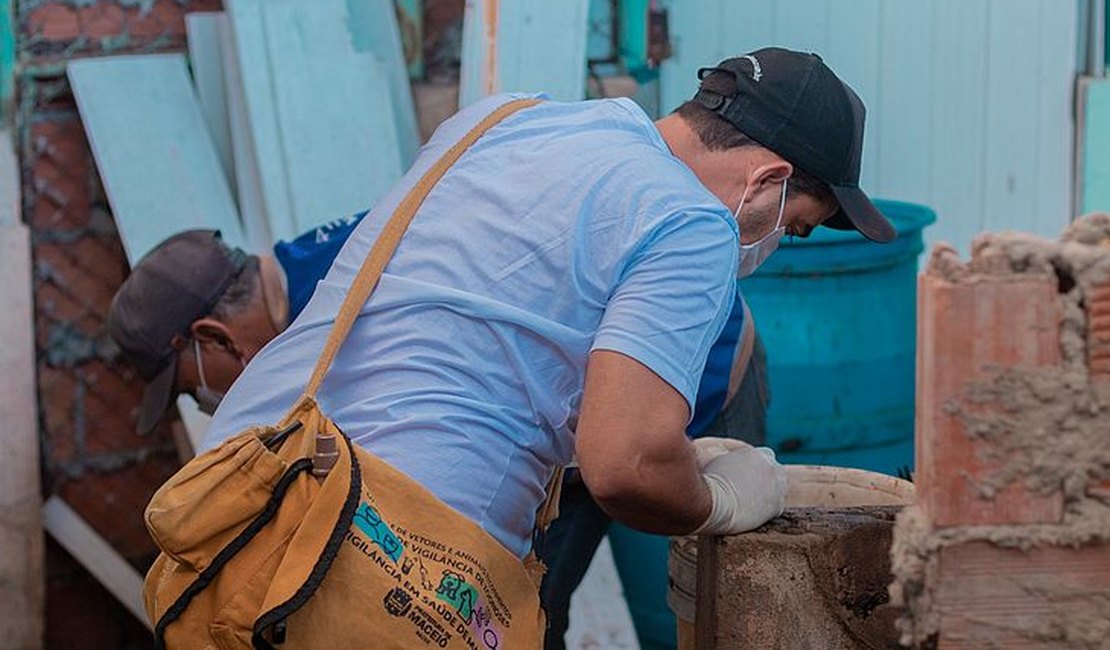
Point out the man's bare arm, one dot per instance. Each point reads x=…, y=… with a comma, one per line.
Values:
x=632, y=448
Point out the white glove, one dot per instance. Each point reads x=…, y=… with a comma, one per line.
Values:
x=709, y=448
x=748, y=488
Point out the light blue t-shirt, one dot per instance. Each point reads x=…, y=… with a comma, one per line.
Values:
x=567, y=228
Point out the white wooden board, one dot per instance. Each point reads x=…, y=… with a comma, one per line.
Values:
x=22, y=579
x=373, y=28
x=151, y=144
x=320, y=114
x=195, y=422
x=207, y=62
x=524, y=46
x=248, y=183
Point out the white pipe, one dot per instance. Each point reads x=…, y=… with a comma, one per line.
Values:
x=1096, y=38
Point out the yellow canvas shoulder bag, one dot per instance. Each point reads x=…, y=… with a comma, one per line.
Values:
x=291, y=536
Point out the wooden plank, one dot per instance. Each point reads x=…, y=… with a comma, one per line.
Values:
x=320, y=115
x=207, y=61
x=524, y=46
x=331, y=109
x=693, y=48
x=22, y=578
x=1057, y=64
x=98, y=558
x=906, y=92
x=1011, y=152
x=160, y=169
x=957, y=192
x=248, y=184
x=195, y=422
x=1094, y=145
x=251, y=51
x=854, y=53
x=410, y=22
x=373, y=27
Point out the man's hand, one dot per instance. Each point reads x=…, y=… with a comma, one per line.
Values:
x=748, y=488
x=708, y=448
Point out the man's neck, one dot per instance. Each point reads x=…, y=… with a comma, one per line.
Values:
x=275, y=291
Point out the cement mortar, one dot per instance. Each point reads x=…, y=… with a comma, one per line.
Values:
x=1048, y=428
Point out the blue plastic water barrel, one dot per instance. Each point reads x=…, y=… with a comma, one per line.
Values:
x=837, y=316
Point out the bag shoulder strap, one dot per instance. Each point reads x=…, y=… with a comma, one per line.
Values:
x=372, y=267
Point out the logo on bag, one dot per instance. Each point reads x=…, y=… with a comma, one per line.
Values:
x=456, y=591
x=397, y=602
x=371, y=523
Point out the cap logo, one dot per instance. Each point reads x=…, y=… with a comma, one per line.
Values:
x=757, y=70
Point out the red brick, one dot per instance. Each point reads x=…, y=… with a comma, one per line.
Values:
x=965, y=330
x=984, y=591
x=113, y=503
x=55, y=21
x=1098, y=338
x=57, y=389
x=60, y=175
x=102, y=20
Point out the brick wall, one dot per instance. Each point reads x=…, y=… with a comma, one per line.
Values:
x=91, y=454
x=1008, y=544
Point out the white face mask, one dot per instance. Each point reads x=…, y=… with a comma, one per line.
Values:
x=208, y=400
x=755, y=253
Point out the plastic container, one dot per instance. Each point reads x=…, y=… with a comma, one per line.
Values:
x=837, y=316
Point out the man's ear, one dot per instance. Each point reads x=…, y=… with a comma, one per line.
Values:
x=772, y=173
x=210, y=330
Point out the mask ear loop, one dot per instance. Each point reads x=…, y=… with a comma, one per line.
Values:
x=782, y=205
x=200, y=364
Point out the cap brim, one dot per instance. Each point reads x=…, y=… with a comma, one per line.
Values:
x=857, y=212
x=157, y=397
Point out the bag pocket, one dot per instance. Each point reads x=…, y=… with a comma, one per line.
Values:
x=212, y=498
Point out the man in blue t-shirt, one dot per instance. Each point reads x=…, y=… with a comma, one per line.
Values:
x=557, y=298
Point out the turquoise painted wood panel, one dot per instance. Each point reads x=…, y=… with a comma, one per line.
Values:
x=903, y=99
x=252, y=53
x=1011, y=154
x=7, y=57
x=524, y=46
x=855, y=53
x=969, y=101
x=1096, y=148
x=320, y=114
x=373, y=28
x=207, y=62
x=338, y=162
x=1055, y=126
x=160, y=169
x=410, y=21
x=957, y=191
x=248, y=180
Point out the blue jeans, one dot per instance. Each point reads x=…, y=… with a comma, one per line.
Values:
x=570, y=543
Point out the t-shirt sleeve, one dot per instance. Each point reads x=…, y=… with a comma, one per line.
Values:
x=673, y=298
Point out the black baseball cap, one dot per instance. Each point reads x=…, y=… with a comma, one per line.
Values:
x=178, y=282
x=793, y=104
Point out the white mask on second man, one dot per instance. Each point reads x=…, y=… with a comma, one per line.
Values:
x=755, y=253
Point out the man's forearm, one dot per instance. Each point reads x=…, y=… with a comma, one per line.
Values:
x=657, y=491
